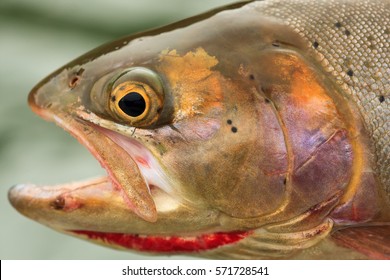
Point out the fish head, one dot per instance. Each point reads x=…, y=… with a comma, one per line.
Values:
x=194, y=148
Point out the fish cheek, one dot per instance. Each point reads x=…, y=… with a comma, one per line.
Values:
x=236, y=170
x=246, y=172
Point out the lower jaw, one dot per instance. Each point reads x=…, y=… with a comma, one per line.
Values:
x=165, y=244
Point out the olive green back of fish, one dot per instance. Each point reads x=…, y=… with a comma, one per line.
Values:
x=350, y=39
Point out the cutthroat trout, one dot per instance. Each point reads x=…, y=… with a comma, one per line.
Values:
x=258, y=130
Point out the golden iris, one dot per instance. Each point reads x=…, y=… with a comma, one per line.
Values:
x=137, y=97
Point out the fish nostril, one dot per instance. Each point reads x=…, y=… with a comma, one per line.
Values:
x=76, y=78
x=73, y=82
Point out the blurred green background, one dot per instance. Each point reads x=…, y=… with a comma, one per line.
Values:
x=37, y=37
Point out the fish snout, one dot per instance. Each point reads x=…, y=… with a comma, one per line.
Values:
x=29, y=198
x=16, y=196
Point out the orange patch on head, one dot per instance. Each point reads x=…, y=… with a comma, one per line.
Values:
x=306, y=91
x=194, y=85
x=305, y=87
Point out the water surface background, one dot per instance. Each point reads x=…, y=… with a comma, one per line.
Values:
x=37, y=37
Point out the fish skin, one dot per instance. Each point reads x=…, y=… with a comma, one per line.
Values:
x=350, y=40
x=285, y=117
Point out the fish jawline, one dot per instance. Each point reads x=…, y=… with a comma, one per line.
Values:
x=163, y=244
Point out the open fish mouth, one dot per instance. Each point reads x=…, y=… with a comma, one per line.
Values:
x=117, y=157
x=111, y=150
x=133, y=207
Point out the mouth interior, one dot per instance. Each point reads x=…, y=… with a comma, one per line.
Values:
x=123, y=171
x=157, y=183
x=146, y=162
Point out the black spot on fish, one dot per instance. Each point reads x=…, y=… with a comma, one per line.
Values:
x=347, y=32
x=315, y=44
x=381, y=99
x=251, y=77
x=113, y=98
x=284, y=181
x=350, y=72
x=267, y=100
x=229, y=122
x=234, y=129
x=338, y=24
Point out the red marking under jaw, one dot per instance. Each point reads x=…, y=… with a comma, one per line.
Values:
x=167, y=243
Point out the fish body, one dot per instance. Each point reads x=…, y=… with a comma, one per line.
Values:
x=258, y=130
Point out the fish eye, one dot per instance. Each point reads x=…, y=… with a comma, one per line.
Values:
x=131, y=101
x=136, y=97
x=133, y=104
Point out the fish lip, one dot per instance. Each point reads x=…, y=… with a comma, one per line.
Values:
x=139, y=200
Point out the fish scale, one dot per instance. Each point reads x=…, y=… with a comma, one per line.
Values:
x=350, y=39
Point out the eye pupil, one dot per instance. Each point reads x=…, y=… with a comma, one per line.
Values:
x=133, y=104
